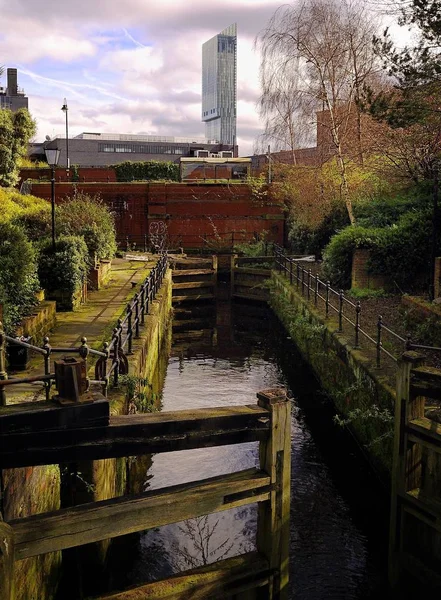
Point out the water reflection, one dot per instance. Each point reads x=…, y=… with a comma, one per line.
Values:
x=332, y=555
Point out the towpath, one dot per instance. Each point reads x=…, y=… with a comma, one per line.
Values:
x=94, y=320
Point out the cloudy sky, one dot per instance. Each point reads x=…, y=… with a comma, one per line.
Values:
x=131, y=66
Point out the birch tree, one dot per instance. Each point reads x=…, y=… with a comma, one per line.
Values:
x=324, y=48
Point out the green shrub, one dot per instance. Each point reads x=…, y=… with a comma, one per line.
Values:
x=151, y=170
x=90, y=218
x=65, y=269
x=383, y=212
x=18, y=275
x=403, y=252
x=337, y=256
x=305, y=239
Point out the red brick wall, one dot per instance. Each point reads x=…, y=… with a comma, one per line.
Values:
x=361, y=278
x=193, y=213
x=97, y=174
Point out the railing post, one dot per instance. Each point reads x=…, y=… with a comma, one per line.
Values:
x=357, y=324
x=129, y=328
x=297, y=275
x=3, y=373
x=316, y=290
x=142, y=303
x=290, y=271
x=106, y=359
x=340, y=310
x=116, y=344
x=6, y=561
x=47, y=367
x=273, y=519
x=328, y=286
x=303, y=281
x=379, y=344
x=137, y=315
x=309, y=283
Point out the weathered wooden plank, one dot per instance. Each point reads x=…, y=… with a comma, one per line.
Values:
x=187, y=272
x=419, y=570
x=97, y=521
x=137, y=434
x=273, y=521
x=219, y=580
x=45, y=415
x=428, y=505
x=423, y=429
x=192, y=285
x=7, y=548
x=192, y=297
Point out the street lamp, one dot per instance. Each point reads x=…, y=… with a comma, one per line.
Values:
x=65, y=109
x=52, y=157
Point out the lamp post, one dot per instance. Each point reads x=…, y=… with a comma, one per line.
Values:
x=65, y=110
x=52, y=157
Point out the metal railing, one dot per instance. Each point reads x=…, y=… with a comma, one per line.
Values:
x=112, y=360
x=335, y=302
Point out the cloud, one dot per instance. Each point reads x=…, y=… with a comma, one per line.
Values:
x=128, y=67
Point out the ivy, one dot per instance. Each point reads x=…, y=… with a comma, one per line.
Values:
x=151, y=170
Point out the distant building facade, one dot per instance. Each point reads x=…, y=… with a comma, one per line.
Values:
x=12, y=97
x=103, y=149
x=219, y=83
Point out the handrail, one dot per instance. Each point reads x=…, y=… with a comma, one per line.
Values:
x=111, y=359
x=335, y=300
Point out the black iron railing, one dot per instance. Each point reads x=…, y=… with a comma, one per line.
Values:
x=348, y=313
x=112, y=360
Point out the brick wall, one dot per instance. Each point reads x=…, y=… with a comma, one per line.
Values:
x=196, y=215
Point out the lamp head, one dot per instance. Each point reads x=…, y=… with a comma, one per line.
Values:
x=52, y=156
x=64, y=107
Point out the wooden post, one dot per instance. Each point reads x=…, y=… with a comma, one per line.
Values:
x=6, y=561
x=232, y=271
x=403, y=409
x=3, y=374
x=273, y=520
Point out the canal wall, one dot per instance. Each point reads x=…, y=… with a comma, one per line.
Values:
x=35, y=490
x=363, y=396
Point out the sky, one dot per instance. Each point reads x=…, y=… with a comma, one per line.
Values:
x=128, y=67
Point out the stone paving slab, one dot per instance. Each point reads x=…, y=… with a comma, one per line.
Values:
x=94, y=320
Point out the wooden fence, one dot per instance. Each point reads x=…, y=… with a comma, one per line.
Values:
x=415, y=523
x=259, y=574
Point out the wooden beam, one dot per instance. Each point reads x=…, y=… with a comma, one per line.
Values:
x=217, y=581
x=137, y=434
x=76, y=526
x=45, y=415
x=425, y=430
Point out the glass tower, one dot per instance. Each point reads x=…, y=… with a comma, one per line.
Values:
x=219, y=86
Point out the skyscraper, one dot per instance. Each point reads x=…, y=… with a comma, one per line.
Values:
x=219, y=86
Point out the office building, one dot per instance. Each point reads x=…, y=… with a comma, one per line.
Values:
x=90, y=149
x=219, y=66
x=12, y=97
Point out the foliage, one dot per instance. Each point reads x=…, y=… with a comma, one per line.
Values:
x=15, y=206
x=139, y=394
x=404, y=251
x=337, y=256
x=258, y=247
x=259, y=189
x=18, y=278
x=90, y=218
x=65, y=269
x=151, y=170
x=16, y=129
x=385, y=211
x=400, y=252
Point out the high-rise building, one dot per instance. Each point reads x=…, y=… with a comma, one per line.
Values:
x=12, y=97
x=219, y=86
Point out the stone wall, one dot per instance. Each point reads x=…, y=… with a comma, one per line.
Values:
x=39, y=323
x=348, y=376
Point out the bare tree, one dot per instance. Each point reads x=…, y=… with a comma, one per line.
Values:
x=324, y=48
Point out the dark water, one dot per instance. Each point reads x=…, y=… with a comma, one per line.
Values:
x=338, y=520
